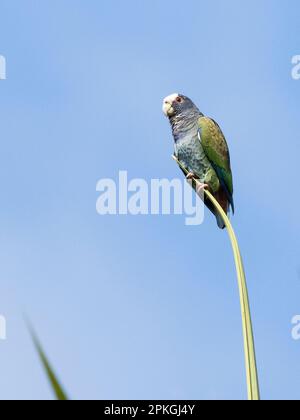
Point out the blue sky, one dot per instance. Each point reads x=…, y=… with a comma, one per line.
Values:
x=145, y=307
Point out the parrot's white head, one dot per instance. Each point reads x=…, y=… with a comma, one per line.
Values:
x=168, y=108
x=177, y=105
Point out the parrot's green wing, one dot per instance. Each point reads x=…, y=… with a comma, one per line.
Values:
x=216, y=149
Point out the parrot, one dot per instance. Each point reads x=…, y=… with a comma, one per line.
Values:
x=201, y=148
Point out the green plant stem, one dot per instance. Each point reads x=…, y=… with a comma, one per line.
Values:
x=249, y=347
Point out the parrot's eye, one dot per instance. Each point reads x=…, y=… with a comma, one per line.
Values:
x=179, y=100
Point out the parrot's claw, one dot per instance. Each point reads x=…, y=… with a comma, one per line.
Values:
x=190, y=176
x=201, y=187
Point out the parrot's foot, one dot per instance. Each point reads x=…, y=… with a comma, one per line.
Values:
x=190, y=176
x=201, y=187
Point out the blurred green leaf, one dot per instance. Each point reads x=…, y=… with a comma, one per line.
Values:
x=54, y=382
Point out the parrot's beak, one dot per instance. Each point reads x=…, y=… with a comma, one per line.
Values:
x=168, y=108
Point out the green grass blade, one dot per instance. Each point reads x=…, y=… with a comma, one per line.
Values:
x=249, y=347
x=55, y=385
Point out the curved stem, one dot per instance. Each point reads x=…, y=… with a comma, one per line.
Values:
x=250, y=357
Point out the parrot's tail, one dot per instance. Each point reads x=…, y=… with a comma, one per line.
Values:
x=220, y=222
